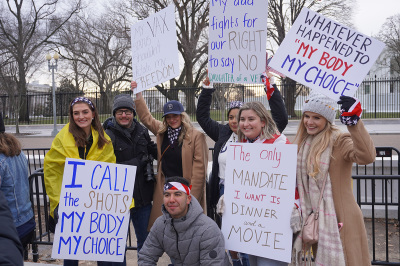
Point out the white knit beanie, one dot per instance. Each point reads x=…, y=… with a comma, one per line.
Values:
x=320, y=104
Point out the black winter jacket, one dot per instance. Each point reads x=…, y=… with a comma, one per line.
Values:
x=221, y=133
x=134, y=150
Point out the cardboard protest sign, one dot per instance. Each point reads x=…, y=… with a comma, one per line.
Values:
x=259, y=198
x=155, y=57
x=237, y=41
x=94, y=211
x=326, y=56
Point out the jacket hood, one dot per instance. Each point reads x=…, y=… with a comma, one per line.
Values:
x=108, y=123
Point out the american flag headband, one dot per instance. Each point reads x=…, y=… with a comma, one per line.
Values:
x=177, y=186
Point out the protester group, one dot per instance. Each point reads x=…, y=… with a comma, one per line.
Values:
x=168, y=210
x=173, y=187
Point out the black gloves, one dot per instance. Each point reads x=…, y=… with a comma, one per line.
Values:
x=53, y=221
x=351, y=111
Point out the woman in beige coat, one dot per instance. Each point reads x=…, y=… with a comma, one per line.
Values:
x=181, y=151
x=325, y=152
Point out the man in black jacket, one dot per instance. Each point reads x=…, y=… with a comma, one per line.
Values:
x=133, y=146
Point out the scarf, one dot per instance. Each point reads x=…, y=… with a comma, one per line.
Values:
x=127, y=131
x=330, y=250
x=173, y=134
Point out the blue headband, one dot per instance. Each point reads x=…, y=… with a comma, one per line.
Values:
x=83, y=99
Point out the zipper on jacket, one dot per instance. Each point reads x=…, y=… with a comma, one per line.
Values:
x=177, y=239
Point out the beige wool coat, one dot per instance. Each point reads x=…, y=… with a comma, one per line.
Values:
x=194, y=161
x=355, y=147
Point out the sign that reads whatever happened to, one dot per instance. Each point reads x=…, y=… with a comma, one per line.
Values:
x=155, y=57
x=325, y=55
x=237, y=40
x=94, y=211
x=259, y=196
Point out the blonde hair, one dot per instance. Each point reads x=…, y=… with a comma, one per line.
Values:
x=318, y=145
x=270, y=127
x=186, y=125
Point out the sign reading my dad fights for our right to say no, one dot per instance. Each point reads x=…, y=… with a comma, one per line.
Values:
x=94, y=211
x=259, y=198
x=237, y=40
x=325, y=55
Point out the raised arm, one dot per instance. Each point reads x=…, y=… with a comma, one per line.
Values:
x=145, y=116
x=210, y=126
x=359, y=147
x=278, y=109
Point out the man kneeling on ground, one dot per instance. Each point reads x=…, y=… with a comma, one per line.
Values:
x=187, y=235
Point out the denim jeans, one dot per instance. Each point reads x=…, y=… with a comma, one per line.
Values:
x=140, y=220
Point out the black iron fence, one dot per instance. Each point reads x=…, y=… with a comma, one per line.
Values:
x=380, y=98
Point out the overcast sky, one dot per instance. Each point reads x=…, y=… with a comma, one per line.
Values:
x=371, y=14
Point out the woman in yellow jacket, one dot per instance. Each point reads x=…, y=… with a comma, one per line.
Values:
x=83, y=137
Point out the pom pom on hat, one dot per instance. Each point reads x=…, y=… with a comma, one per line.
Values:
x=320, y=104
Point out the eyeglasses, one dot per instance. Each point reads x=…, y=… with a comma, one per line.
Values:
x=127, y=112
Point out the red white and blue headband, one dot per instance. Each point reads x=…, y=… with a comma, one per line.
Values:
x=177, y=186
x=83, y=99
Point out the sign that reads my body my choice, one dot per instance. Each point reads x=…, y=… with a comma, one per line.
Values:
x=326, y=56
x=94, y=211
x=155, y=57
x=237, y=40
x=259, y=198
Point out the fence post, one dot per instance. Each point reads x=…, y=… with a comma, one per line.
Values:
x=27, y=106
x=376, y=96
x=61, y=105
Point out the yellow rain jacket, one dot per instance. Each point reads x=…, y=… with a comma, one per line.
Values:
x=63, y=147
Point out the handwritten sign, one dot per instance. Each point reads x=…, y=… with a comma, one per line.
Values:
x=326, y=56
x=155, y=56
x=237, y=40
x=94, y=211
x=259, y=198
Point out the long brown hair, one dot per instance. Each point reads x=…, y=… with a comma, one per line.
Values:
x=318, y=145
x=270, y=127
x=78, y=133
x=9, y=145
x=186, y=125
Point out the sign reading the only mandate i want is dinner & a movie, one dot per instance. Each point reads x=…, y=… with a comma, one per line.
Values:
x=94, y=211
x=259, y=198
x=325, y=55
